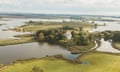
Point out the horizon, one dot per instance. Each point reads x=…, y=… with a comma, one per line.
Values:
x=4, y=13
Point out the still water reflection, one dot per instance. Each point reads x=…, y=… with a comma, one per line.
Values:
x=11, y=53
x=31, y=50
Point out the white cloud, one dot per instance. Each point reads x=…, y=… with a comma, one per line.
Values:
x=10, y=2
x=65, y=3
x=63, y=6
x=86, y=3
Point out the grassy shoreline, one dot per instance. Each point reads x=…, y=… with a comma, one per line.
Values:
x=116, y=45
x=97, y=62
x=35, y=26
x=81, y=49
x=5, y=42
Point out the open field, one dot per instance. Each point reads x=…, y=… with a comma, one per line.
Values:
x=4, y=42
x=97, y=62
x=33, y=27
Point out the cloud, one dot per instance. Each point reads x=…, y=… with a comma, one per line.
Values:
x=5, y=2
x=9, y=2
x=61, y=6
x=86, y=3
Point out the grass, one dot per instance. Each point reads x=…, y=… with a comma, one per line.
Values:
x=51, y=25
x=116, y=45
x=98, y=62
x=81, y=48
x=34, y=28
x=4, y=42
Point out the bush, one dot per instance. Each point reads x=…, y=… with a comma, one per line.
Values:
x=116, y=36
x=107, y=35
x=37, y=69
x=40, y=36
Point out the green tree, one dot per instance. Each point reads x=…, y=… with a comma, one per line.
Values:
x=116, y=36
x=97, y=35
x=107, y=35
x=40, y=36
x=82, y=38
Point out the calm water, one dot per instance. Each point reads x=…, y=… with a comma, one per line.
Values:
x=109, y=26
x=11, y=23
x=31, y=50
x=11, y=53
x=105, y=45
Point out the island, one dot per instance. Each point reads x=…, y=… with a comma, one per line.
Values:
x=73, y=36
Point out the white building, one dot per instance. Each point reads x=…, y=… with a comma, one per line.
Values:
x=68, y=35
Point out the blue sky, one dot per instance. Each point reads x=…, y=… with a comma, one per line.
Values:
x=101, y=7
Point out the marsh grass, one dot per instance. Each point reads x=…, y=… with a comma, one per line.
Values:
x=116, y=45
x=22, y=40
x=98, y=62
x=33, y=27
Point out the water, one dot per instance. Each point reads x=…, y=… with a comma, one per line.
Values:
x=12, y=22
x=106, y=47
x=11, y=53
x=109, y=26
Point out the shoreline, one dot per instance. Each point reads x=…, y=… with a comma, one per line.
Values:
x=6, y=42
x=59, y=61
x=116, y=45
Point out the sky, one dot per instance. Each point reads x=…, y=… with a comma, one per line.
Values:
x=94, y=7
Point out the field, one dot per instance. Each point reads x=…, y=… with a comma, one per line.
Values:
x=33, y=27
x=4, y=42
x=97, y=62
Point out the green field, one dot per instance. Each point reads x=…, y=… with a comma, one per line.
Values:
x=97, y=62
x=4, y=42
x=33, y=27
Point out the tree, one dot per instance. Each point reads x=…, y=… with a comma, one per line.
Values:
x=116, y=36
x=91, y=37
x=61, y=36
x=81, y=28
x=40, y=36
x=107, y=35
x=97, y=35
x=73, y=33
x=30, y=21
x=82, y=38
